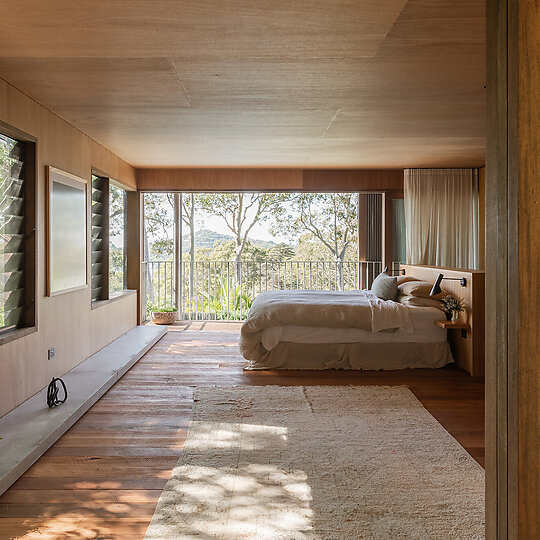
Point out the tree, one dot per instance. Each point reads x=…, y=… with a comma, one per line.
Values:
x=240, y=212
x=159, y=220
x=158, y=225
x=281, y=252
x=330, y=218
x=190, y=203
x=225, y=251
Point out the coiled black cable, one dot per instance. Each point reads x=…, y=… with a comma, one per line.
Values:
x=52, y=393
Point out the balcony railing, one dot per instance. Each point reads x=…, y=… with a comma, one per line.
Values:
x=225, y=290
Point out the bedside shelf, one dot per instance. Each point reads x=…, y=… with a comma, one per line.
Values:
x=456, y=325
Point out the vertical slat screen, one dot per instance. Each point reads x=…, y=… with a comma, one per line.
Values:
x=374, y=229
x=100, y=256
x=12, y=232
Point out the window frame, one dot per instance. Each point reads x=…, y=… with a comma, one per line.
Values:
x=29, y=319
x=105, y=297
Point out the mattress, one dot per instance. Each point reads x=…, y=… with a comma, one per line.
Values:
x=424, y=331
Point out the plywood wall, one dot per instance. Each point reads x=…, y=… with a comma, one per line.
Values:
x=65, y=322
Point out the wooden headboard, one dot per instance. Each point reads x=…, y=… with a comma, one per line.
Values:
x=468, y=347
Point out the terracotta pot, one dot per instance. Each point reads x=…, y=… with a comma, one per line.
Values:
x=163, y=317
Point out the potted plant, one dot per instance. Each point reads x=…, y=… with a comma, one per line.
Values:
x=452, y=307
x=163, y=315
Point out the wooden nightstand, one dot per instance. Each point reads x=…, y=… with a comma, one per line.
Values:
x=457, y=325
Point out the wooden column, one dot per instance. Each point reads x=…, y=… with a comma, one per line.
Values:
x=513, y=255
x=134, y=247
x=178, y=252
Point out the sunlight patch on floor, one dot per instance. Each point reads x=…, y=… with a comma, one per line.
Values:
x=263, y=501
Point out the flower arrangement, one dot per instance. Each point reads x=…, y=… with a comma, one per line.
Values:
x=452, y=306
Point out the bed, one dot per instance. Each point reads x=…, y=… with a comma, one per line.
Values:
x=343, y=330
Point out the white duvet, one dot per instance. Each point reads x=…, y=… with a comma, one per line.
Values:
x=318, y=309
x=423, y=331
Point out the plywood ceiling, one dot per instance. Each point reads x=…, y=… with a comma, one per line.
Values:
x=307, y=83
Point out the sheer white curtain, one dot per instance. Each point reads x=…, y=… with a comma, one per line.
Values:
x=441, y=214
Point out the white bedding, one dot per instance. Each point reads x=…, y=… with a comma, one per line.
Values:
x=423, y=331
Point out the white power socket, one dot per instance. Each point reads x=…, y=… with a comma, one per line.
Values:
x=50, y=354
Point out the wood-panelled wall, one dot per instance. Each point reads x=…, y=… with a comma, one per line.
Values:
x=203, y=179
x=65, y=322
x=467, y=347
x=512, y=264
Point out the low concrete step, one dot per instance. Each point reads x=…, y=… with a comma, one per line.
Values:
x=29, y=430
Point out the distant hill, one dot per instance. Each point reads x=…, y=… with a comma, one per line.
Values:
x=206, y=239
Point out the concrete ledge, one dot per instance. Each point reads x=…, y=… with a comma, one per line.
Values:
x=29, y=430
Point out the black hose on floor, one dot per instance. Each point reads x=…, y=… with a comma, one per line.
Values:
x=52, y=393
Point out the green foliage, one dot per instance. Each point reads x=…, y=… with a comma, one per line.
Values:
x=281, y=252
x=117, y=211
x=152, y=308
x=230, y=302
x=225, y=251
x=117, y=226
x=451, y=304
x=205, y=238
x=116, y=270
x=162, y=250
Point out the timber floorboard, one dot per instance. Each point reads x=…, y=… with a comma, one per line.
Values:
x=103, y=478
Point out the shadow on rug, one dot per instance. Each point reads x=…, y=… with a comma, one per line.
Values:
x=339, y=462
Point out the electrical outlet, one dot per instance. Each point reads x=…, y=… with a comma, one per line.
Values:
x=50, y=354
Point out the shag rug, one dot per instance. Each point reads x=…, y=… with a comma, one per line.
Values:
x=333, y=462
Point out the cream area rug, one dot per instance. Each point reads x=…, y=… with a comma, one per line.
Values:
x=308, y=463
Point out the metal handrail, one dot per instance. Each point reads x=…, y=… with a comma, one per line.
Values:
x=224, y=290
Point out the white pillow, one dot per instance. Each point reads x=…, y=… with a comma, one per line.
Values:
x=384, y=286
x=420, y=301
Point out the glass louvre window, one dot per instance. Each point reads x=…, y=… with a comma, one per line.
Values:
x=12, y=233
x=117, y=240
x=100, y=257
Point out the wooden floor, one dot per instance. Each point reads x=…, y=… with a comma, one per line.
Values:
x=103, y=478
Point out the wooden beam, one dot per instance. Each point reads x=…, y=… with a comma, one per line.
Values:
x=246, y=179
x=203, y=179
x=352, y=180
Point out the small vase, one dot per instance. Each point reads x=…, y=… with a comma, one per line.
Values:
x=454, y=316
